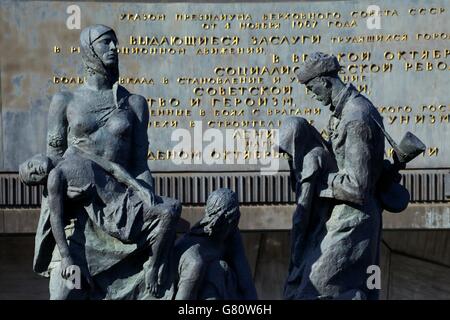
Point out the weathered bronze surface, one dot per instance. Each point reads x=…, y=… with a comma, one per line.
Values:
x=99, y=186
x=342, y=185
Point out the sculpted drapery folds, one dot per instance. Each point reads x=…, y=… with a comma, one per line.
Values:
x=99, y=210
x=99, y=207
x=344, y=241
x=310, y=162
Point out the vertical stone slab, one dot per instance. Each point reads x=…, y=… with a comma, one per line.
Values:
x=2, y=222
x=17, y=279
x=272, y=265
x=385, y=261
x=20, y=221
x=252, y=242
x=430, y=245
x=417, y=279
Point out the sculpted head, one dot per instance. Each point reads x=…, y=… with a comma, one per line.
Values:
x=291, y=131
x=35, y=170
x=321, y=88
x=318, y=73
x=98, y=45
x=221, y=213
x=298, y=136
x=106, y=48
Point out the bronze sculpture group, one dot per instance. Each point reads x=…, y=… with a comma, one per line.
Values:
x=100, y=212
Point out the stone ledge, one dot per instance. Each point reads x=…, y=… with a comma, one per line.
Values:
x=253, y=189
x=255, y=218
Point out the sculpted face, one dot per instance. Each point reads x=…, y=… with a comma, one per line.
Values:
x=321, y=89
x=221, y=213
x=221, y=224
x=106, y=49
x=35, y=170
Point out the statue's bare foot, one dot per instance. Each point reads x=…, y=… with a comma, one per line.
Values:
x=163, y=273
x=152, y=282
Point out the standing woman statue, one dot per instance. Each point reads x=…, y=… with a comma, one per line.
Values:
x=106, y=125
x=310, y=162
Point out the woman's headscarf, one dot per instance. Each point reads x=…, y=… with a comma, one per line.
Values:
x=298, y=137
x=222, y=206
x=92, y=62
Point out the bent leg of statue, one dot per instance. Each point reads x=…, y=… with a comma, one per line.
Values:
x=163, y=219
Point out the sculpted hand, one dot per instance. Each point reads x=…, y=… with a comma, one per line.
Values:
x=67, y=267
x=154, y=280
x=390, y=174
x=79, y=192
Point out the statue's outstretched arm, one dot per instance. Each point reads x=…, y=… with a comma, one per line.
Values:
x=55, y=185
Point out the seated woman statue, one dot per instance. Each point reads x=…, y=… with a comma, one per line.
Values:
x=210, y=258
x=99, y=135
x=147, y=225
